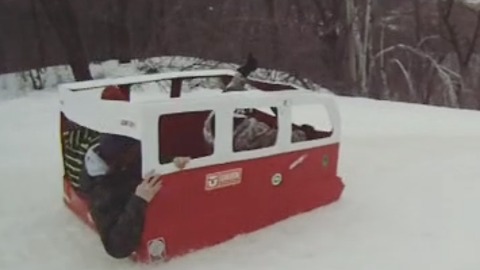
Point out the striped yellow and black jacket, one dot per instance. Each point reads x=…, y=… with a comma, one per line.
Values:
x=76, y=143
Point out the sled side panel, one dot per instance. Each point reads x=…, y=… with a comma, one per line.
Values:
x=193, y=210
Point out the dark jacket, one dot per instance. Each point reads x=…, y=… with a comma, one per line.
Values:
x=115, y=209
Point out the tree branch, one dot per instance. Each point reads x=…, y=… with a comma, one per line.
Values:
x=407, y=76
x=473, y=41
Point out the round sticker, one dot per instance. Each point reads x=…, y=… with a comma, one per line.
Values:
x=277, y=179
x=326, y=161
x=156, y=249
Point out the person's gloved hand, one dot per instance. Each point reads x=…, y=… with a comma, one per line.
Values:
x=181, y=162
x=150, y=185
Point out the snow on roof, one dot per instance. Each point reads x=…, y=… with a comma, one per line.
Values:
x=148, y=78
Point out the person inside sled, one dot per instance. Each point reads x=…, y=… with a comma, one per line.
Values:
x=117, y=195
x=249, y=133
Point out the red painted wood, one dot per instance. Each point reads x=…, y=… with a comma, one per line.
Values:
x=188, y=217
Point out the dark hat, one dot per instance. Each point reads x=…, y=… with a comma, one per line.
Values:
x=239, y=80
x=250, y=65
x=111, y=147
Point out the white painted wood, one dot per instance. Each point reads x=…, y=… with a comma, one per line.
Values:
x=81, y=103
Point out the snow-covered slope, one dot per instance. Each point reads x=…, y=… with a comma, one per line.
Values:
x=411, y=199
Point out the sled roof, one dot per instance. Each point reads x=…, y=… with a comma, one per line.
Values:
x=149, y=78
x=81, y=101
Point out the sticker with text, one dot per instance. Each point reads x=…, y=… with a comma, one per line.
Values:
x=223, y=179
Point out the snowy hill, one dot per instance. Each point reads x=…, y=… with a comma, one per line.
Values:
x=412, y=193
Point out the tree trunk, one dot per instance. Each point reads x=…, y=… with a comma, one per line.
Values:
x=121, y=46
x=385, y=92
x=418, y=20
x=352, y=48
x=365, y=49
x=3, y=65
x=40, y=42
x=275, y=52
x=62, y=18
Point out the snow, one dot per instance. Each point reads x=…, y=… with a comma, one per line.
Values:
x=20, y=84
x=411, y=198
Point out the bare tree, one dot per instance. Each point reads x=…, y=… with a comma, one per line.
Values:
x=364, y=49
x=36, y=73
x=331, y=42
x=274, y=32
x=352, y=45
x=360, y=42
x=120, y=34
x=326, y=22
x=463, y=47
x=2, y=56
x=445, y=74
x=62, y=18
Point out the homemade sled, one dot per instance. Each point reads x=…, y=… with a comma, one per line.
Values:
x=221, y=193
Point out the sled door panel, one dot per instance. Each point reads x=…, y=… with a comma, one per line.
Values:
x=203, y=207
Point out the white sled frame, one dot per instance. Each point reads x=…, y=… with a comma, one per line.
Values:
x=81, y=102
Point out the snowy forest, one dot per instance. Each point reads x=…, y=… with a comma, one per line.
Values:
x=420, y=51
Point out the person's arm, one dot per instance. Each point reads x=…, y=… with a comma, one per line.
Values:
x=120, y=230
x=121, y=226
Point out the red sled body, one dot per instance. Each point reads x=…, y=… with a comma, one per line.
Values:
x=221, y=193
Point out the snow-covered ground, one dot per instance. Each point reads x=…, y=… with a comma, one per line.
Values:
x=411, y=199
